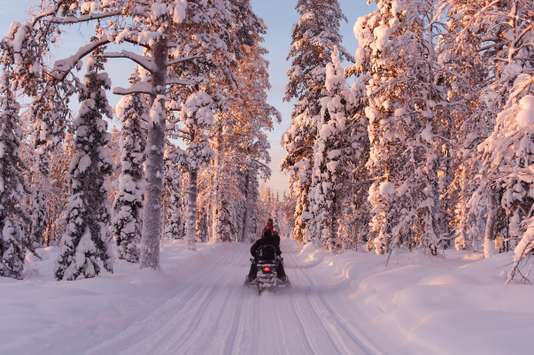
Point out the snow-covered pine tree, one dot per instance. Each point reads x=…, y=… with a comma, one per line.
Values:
x=509, y=153
x=401, y=111
x=239, y=141
x=314, y=37
x=85, y=246
x=329, y=150
x=205, y=201
x=196, y=118
x=22, y=54
x=39, y=217
x=462, y=54
x=355, y=208
x=503, y=198
x=227, y=190
x=152, y=26
x=255, y=116
x=127, y=222
x=12, y=217
x=213, y=31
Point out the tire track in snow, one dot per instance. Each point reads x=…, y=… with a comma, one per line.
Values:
x=210, y=312
x=136, y=333
x=354, y=335
x=310, y=311
x=310, y=349
x=302, y=327
x=230, y=342
x=240, y=327
x=202, y=337
x=167, y=344
x=181, y=327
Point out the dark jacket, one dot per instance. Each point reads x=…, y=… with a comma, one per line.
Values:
x=267, y=238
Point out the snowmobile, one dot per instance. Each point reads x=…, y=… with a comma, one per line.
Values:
x=266, y=272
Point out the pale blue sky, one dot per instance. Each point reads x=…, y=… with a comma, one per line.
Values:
x=279, y=16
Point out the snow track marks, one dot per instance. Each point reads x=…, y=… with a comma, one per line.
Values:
x=211, y=312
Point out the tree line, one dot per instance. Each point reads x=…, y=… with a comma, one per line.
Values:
x=425, y=139
x=189, y=152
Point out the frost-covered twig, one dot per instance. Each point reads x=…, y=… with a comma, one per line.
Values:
x=69, y=20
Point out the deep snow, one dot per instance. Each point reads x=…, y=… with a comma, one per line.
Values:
x=338, y=304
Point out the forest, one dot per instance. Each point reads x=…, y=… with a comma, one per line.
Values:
x=423, y=139
x=430, y=145
x=127, y=212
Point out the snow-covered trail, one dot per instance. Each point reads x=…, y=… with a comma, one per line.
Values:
x=348, y=303
x=211, y=312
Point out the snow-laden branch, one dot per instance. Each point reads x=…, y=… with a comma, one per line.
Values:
x=261, y=164
x=181, y=60
x=135, y=42
x=176, y=81
x=143, y=61
x=69, y=20
x=139, y=88
x=63, y=66
x=49, y=12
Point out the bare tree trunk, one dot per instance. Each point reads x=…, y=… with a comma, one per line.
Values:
x=245, y=219
x=191, y=208
x=150, y=238
x=489, y=233
x=216, y=209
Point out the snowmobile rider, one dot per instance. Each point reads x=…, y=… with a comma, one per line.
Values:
x=268, y=237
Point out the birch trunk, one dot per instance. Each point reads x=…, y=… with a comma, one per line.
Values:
x=191, y=208
x=150, y=238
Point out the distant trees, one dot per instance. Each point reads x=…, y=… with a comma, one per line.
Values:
x=279, y=207
x=196, y=118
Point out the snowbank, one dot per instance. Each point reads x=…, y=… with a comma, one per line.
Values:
x=42, y=316
x=419, y=304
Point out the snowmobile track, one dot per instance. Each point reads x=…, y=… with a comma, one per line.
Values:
x=211, y=312
x=339, y=322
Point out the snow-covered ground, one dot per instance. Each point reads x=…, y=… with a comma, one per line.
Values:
x=338, y=304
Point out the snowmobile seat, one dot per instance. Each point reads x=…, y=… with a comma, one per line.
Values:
x=266, y=253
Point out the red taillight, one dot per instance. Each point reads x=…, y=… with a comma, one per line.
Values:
x=266, y=269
